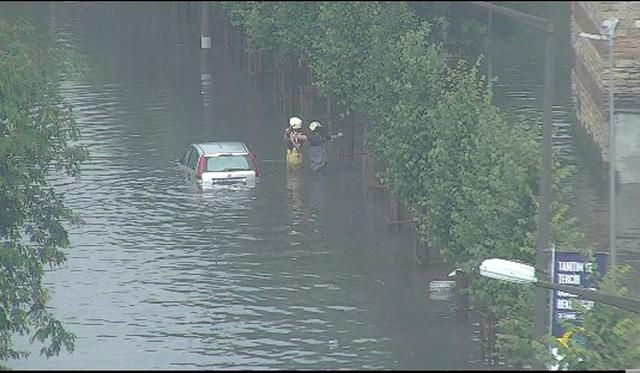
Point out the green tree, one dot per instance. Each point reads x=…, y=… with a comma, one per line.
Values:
x=236, y=11
x=403, y=86
x=296, y=23
x=468, y=174
x=259, y=24
x=609, y=337
x=344, y=39
x=37, y=137
x=461, y=34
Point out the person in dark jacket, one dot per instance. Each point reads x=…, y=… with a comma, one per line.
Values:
x=317, y=140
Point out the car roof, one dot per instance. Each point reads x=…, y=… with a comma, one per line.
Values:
x=223, y=147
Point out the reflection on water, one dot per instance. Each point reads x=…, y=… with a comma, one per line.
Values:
x=293, y=274
x=296, y=273
x=518, y=61
x=294, y=187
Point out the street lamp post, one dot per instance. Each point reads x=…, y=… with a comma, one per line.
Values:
x=205, y=71
x=548, y=27
x=609, y=27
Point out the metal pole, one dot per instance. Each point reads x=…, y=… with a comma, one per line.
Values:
x=612, y=157
x=205, y=39
x=553, y=280
x=534, y=21
x=545, y=183
x=205, y=75
x=462, y=298
x=547, y=26
x=610, y=26
x=629, y=304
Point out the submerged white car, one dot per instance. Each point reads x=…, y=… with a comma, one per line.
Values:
x=220, y=163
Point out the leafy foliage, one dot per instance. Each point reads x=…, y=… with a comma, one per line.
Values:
x=260, y=26
x=351, y=37
x=37, y=135
x=344, y=39
x=462, y=35
x=296, y=25
x=405, y=83
x=468, y=174
x=236, y=11
x=609, y=337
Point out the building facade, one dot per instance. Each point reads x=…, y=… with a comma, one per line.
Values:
x=591, y=75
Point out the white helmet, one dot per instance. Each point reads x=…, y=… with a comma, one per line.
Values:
x=314, y=125
x=295, y=123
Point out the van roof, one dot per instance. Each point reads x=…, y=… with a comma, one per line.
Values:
x=223, y=147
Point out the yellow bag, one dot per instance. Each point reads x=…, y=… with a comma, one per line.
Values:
x=294, y=158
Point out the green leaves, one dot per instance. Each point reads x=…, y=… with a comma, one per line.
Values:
x=609, y=337
x=37, y=133
x=343, y=35
x=469, y=175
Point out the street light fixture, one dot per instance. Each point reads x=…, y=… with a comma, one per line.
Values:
x=609, y=27
x=520, y=273
x=506, y=270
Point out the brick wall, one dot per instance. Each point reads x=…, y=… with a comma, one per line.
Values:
x=590, y=76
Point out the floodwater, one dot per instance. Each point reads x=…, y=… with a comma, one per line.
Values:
x=298, y=273
x=518, y=61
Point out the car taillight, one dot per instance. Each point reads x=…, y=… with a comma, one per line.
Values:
x=200, y=168
x=254, y=164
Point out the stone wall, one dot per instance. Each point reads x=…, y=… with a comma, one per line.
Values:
x=590, y=76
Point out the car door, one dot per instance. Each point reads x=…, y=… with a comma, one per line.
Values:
x=192, y=163
x=182, y=161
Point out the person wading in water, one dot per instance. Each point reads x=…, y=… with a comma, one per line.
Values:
x=294, y=138
x=318, y=145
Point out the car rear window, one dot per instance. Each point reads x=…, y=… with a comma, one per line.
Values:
x=226, y=163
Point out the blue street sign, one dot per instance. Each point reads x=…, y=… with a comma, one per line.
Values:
x=572, y=269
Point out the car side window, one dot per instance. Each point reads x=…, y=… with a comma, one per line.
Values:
x=185, y=156
x=193, y=159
